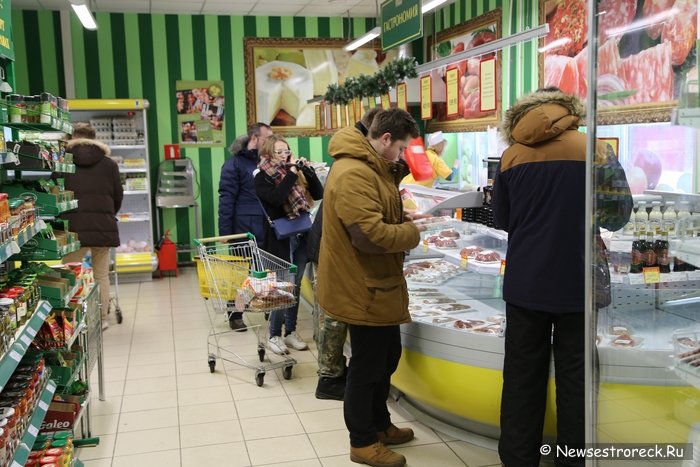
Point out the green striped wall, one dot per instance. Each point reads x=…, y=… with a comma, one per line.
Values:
x=140, y=55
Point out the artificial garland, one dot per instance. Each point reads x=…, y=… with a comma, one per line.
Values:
x=378, y=84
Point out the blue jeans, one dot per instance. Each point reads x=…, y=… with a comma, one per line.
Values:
x=288, y=316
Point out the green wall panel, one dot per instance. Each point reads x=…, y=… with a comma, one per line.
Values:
x=141, y=55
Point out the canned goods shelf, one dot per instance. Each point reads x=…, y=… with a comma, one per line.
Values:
x=23, y=339
x=55, y=125
x=32, y=431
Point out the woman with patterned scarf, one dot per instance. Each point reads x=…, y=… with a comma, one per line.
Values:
x=286, y=186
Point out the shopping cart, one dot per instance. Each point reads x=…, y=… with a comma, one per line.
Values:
x=235, y=275
x=114, y=296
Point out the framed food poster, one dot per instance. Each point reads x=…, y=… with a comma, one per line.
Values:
x=646, y=55
x=469, y=115
x=283, y=74
x=200, y=113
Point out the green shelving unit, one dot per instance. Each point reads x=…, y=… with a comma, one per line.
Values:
x=13, y=247
x=23, y=339
x=32, y=431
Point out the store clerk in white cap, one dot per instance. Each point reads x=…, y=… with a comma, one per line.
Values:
x=436, y=146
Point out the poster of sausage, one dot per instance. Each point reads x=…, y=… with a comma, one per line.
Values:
x=646, y=54
x=466, y=36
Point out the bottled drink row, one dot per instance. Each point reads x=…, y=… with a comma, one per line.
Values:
x=655, y=220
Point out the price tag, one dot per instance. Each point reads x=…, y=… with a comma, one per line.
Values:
x=503, y=267
x=464, y=262
x=666, y=277
x=679, y=276
x=26, y=339
x=31, y=332
x=51, y=386
x=616, y=278
x=636, y=279
x=43, y=405
x=34, y=431
x=41, y=314
x=651, y=275
x=693, y=275
x=15, y=356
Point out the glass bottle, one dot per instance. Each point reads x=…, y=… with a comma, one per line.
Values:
x=641, y=218
x=648, y=252
x=661, y=250
x=637, y=262
x=656, y=218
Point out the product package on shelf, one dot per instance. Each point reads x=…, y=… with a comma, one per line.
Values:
x=56, y=449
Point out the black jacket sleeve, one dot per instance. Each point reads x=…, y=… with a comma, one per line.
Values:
x=274, y=195
x=228, y=194
x=500, y=201
x=315, y=185
x=313, y=240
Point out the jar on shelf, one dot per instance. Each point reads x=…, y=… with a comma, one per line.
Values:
x=45, y=108
x=21, y=304
x=16, y=208
x=4, y=207
x=7, y=304
x=15, y=102
x=29, y=209
x=33, y=108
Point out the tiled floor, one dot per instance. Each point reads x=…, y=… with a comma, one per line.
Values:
x=164, y=407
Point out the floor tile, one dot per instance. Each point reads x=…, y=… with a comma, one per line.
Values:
x=161, y=458
x=271, y=427
x=331, y=443
x=201, y=380
x=193, y=367
x=206, y=413
x=296, y=386
x=250, y=390
x=150, y=371
x=301, y=463
x=113, y=374
x=152, y=347
x=286, y=449
x=338, y=461
x=422, y=434
x=204, y=396
x=115, y=361
x=139, y=442
x=229, y=454
x=473, y=455
x=107, y=462
x=148, y=419
x=322, y=420
x=101, y=425
x=110, y=406
x=308, y=403
x=427, y=455
x=210, y=433
x=254, y=408
x=146, y=385
x=101, y=451
x=150, y=401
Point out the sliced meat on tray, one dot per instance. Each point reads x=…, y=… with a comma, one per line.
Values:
x=561, y=71
x=649, y=73
x=618, y=14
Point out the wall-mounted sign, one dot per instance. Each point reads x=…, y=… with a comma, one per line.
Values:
x=487, y=85
x=386, y=101
x=7, y=47
x=200, y=113
x=402, y=96
x=426, y=97
x=452, y=91
x=401, y=22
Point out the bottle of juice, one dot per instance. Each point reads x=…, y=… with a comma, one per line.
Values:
x=670, y=219
x=656, y=218
x=641, y=218
x=628, y=229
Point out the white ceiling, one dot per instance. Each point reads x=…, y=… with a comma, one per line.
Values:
x=355, y=8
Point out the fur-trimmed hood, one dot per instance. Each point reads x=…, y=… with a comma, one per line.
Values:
x=87, y=152
x=541, y=116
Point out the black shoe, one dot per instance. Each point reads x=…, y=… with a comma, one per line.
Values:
x=330, y=388
x=237, y=324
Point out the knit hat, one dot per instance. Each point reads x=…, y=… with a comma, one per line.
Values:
x=435, y=138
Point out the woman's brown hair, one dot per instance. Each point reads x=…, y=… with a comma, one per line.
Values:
x=268, y=147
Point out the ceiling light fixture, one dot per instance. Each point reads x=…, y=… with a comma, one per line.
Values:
x=83, y=13
x=365, y=38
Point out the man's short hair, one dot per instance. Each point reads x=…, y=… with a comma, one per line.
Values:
x=83, y=130
x=254, y=129
x=369, y=116
x=399, y=123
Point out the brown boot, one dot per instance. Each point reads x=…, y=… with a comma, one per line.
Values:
x=377, y=455
x=395, y=435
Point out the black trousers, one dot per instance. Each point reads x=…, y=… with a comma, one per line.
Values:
x=376, y=351
x=528, y=348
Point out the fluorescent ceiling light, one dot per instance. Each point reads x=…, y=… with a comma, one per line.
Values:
x=431, y=5
x=84, y=15
x=555, y=44
x=365, y=38
x=642, y=23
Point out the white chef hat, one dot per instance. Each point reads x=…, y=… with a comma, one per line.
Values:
x=435, y=138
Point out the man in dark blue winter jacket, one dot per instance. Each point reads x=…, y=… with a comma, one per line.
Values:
x=239, y=208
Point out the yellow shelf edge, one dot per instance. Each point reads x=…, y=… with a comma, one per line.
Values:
x=108, y=104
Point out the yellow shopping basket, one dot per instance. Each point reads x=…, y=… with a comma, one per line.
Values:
x=229, y=272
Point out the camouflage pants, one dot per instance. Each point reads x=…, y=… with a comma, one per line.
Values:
x=330, y=336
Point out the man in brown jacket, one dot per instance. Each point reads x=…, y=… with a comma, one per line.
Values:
x=360, y=275
x=98, y=189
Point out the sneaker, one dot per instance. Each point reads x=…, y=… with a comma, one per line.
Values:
x=330, y=388
x=377, y=455
x=276, y=344
x=395, y=435
x=105, y=324
x=294, y=341
x=237, y=324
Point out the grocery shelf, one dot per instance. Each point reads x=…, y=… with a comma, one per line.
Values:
x=127, y=147
x=32, y=431
x=23, y=339
x=55, y=125
x=13, y=246
x=136, y=192
x=8, y=158
x=133, y=170
x=134, y=217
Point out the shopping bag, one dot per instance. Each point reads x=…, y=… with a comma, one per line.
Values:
x=418, y=161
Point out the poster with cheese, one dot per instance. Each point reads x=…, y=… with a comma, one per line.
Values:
x=200, y=109
x=283, y=75
x=469, y=115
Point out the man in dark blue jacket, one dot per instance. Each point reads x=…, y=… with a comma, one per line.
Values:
x=239, y=208
x=539, y=199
